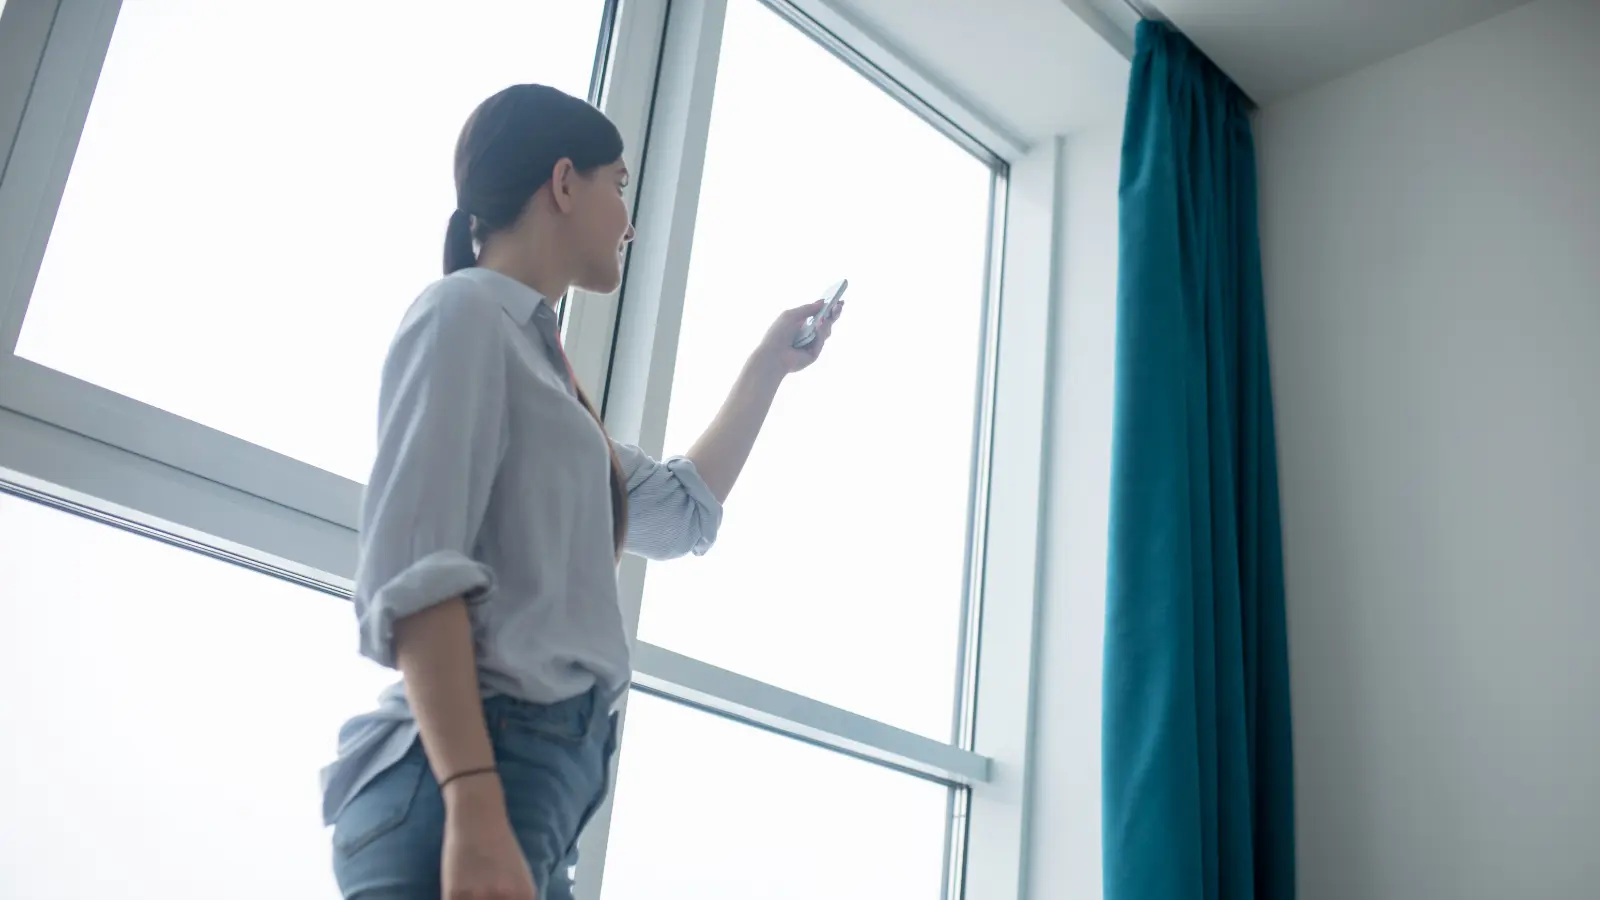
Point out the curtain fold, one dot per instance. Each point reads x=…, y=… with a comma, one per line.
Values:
x=1197, y=768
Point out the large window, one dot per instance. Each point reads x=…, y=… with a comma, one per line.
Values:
x=223, y=208
x=839, y=573
x=164, y=716
x=261, y=189
x=716, y=810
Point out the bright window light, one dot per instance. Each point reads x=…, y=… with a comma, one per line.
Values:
x=165, y=718
x=261, y=190
x=839, y=568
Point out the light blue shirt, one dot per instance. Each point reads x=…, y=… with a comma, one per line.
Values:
x=492, y=482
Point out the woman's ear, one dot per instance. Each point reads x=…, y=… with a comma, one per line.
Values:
x=562, y=179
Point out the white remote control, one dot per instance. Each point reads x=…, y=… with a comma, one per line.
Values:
x=808, y=331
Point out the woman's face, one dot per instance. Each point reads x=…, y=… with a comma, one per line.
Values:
x=602, y=228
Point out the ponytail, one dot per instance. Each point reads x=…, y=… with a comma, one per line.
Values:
x=458, y=252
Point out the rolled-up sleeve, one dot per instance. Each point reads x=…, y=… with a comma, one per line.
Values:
x=671, y=511
x=441, y=437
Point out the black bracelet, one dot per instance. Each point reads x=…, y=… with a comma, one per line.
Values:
x=486, y=770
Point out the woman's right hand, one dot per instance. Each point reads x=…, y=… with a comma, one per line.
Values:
x=482, y=859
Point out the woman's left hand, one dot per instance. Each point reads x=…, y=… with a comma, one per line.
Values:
x=777, y=347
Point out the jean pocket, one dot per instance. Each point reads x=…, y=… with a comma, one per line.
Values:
x=381, y=806
x=566, y=722
x=608, y=754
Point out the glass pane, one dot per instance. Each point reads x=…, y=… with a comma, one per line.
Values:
x=165, y=718
x=261, y=190
x=712, y=809
x=838, y=572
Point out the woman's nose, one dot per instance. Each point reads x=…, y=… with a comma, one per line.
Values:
x=627, y=236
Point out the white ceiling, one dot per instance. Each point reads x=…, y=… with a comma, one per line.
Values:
x=1273, y=48
x=1032, y=66
x=1039, y=68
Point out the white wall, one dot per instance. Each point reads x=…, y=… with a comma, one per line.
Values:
x=1064, y=839
x=1432, y=249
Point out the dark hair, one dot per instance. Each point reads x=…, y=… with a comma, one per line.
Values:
x=507, y=151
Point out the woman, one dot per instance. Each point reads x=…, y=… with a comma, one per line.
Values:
x=493, y=521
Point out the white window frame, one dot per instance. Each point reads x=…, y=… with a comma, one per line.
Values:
x=80, y=447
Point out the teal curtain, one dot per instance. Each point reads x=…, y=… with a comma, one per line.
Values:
x=1198, y=779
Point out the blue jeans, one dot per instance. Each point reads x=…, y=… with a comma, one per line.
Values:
x=554, y=762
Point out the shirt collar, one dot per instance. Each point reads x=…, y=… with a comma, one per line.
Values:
x=521, y=302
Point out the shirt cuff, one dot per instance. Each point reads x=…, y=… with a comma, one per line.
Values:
x=707, y=509
x=432, y=580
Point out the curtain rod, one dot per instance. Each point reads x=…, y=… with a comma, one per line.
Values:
x=1145, y=10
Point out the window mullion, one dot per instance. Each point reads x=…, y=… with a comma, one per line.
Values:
x=40, y=123
x=626, y=92
x=665, y=111
x=1012, y=563
x=24, y=30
